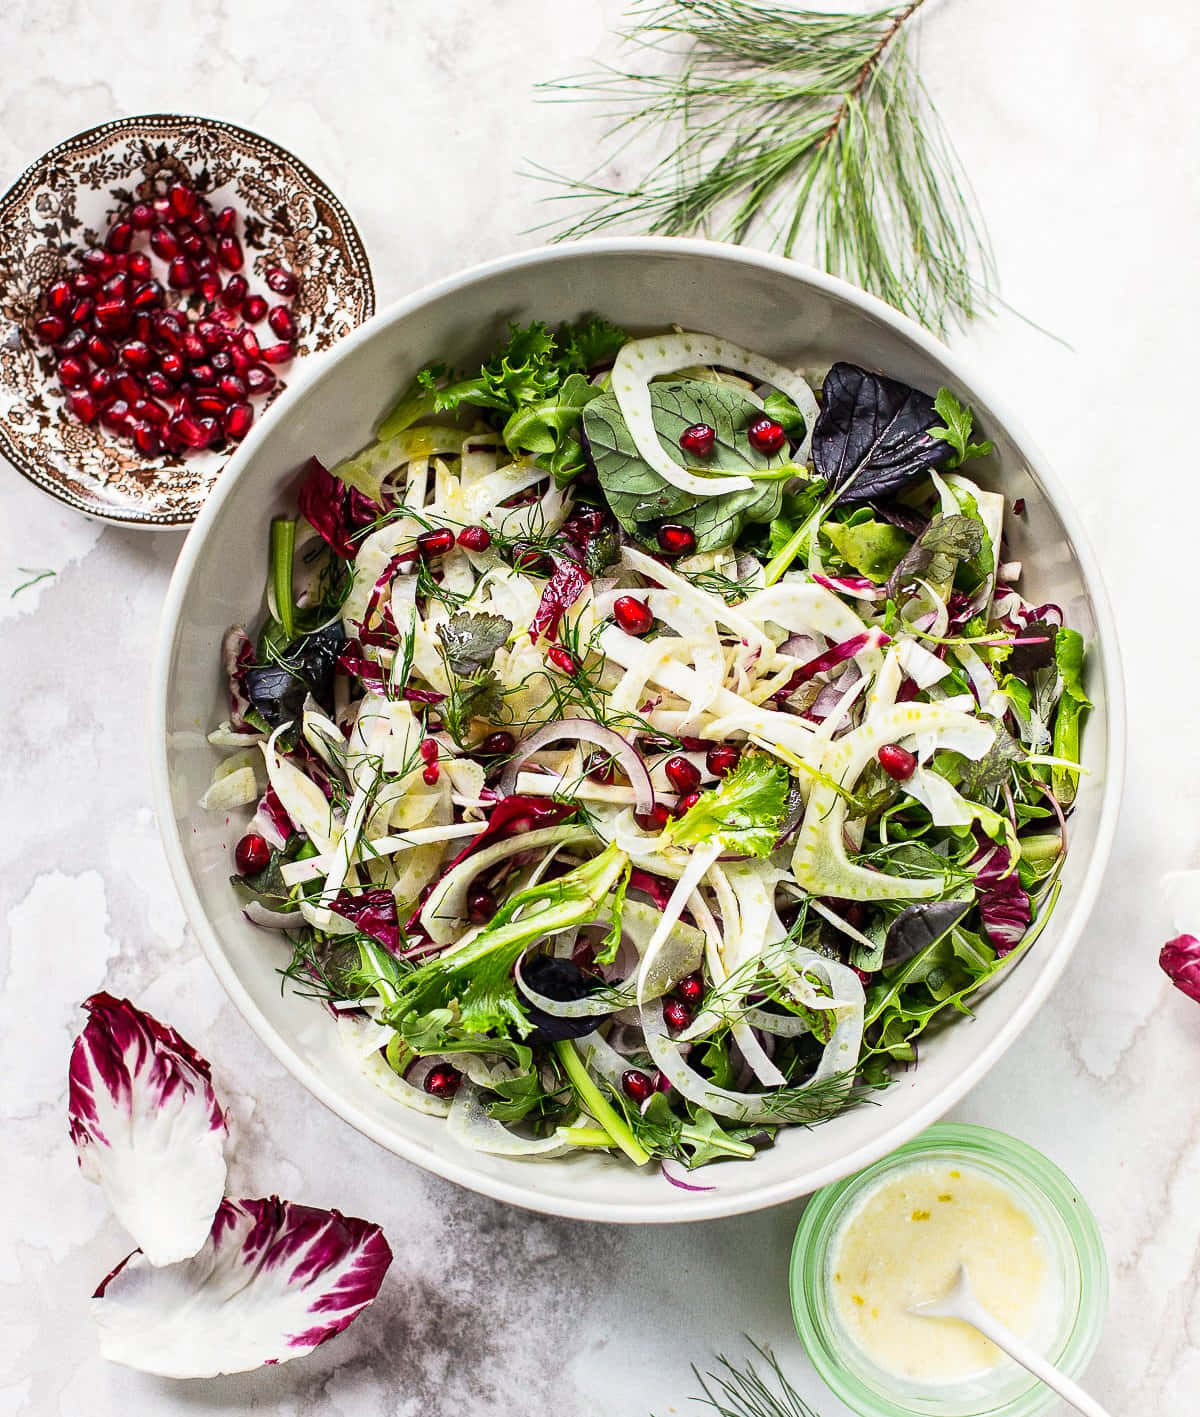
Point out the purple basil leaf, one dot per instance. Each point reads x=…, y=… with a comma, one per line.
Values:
x=872, y=434
x=1180, y=960
x=272, y=1281
x=147, y=1127
x=918, y=926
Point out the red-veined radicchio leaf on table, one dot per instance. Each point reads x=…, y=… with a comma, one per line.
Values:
x=273, y=1281
x=147, y=1127
x=1179, y=958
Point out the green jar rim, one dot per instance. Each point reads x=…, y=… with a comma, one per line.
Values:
x=836, y=1358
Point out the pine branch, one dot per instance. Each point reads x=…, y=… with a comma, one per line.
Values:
x=813, y=126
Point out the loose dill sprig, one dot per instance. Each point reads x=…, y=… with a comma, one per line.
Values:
x=811, y=128
x=742, y=1392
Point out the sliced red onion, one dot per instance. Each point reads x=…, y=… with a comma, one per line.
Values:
x=679, y=1182
x=585, y=730
x=839, y=653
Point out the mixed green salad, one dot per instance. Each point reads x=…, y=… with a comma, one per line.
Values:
x=646, y=749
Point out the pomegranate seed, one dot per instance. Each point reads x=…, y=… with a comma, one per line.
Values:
x=238, y=418
x=676, y=540
x=766, y=435
x=130, y=387
x=897, y=762
x=529, y=558
x=249, y=343
x=211, y=404
x=101, y=351
x=255, y=309
x=259, y=380
x=498, y=744
x=677, y=1015
x=636, y=1085
x=72, y=371
x=50, y=329
x=280, y=320
x=73, y=342
x=158, y=383
x=252, y=854
x=116, y=287
x=149, y=411
x=148, y=296
x=682, y=774
x=475, y=538
x=116, y=416
x=280, y=281
x=229, y=252
x=97, y=262
x=164, y=243
x=102, y=384
x=699, y=440
x=84, y=309
x=193, y=349
x=196, y=432
x=84, y=405
x=136, y=355
x=113, y=314
x=242, y=363
x=141, y=216
x=221, y=361
x=162, y=206
x=654, y=820
x=226, y=220
x=633, y=615
x=146, y=439
x=60, y=297
x=562, y=659
x=722, y=759
x=184, y=201
x=209, y=287
x=212, y=334
x=181, y=273
x=84, y=283
x=139, y=266
x=442, y=1081
x=235, y=292
x=435, y=543
x=120, y=236
x=690, y=989
x=231, y=386
x=481, y=906
x=172, y=365
x=170, y=328
x=661, y=1082
x=429, y=750
x=204, y=260
x=280, y=353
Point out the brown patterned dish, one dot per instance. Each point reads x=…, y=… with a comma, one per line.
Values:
x=289, y=218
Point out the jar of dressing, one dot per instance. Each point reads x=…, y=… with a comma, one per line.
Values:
x=870, y=1247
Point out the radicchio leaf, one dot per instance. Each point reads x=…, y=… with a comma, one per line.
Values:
x=1180, y=960
x=873, y=434
x=272, y=1281
x=374, y=912
x=147, y=1127
x=919, y=926
x=1004, y=906
x=561, y=591
x=238, y=656
x=334, y=510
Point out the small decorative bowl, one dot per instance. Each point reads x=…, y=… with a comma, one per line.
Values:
x=288, y=217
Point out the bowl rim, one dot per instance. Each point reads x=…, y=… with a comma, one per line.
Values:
x=666, y=1211
x=132, y=123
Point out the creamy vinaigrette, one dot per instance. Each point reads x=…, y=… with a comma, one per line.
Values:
x=903, y=1244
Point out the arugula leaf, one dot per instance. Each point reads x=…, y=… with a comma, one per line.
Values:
x=936, y=553
x=718, y=1062
x=470, y=641
x=640, y=498
x=1074, y=703
x=957, y=422
x=873, y=434
x=743, y=812
x=694, y=1142
x=872, y=548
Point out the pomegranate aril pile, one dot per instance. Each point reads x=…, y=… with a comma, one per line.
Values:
x=151, y=329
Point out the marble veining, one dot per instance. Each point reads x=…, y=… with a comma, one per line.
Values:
x=1077, y=123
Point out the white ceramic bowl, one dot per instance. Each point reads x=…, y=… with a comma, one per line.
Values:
x=767, y=303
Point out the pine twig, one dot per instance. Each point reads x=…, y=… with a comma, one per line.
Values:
x=812, y=125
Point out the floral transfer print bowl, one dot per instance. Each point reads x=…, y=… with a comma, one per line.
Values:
x=288, y=218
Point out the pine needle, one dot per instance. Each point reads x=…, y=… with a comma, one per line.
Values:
x=814, y=127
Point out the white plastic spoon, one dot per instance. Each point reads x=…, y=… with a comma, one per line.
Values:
x=961, y=1303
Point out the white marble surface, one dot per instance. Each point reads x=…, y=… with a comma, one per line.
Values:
x=1079, y=124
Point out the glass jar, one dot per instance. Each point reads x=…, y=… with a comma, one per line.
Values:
x=1075, y=1260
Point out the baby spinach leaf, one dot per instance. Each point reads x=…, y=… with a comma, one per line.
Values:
x=640, y=498
x=873, y=434
x=935, y=554
x=872, y=548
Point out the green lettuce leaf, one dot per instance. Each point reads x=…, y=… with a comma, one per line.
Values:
x=743, y=812
x=874, y=549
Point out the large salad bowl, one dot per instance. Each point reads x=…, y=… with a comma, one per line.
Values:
x=798, y=316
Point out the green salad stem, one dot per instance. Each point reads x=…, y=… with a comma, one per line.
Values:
x=598, y=1105
x=283, y=547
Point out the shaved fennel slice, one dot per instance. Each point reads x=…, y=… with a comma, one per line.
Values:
x=364, y=1040
x=600, y=1057
x=233, y=785
x=987, y=691
x=886, y=685
x=309, y=868
x=940, y=799
x=802, y=607
x=470, y=1126
x=641, y=360
x=733, y=618
x=819, y=862
x=444, y=914
x=699, y=862
x=922, y=667
x=302, y=799
x=746, y=903
x=846, y=1003
x=694, y=625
